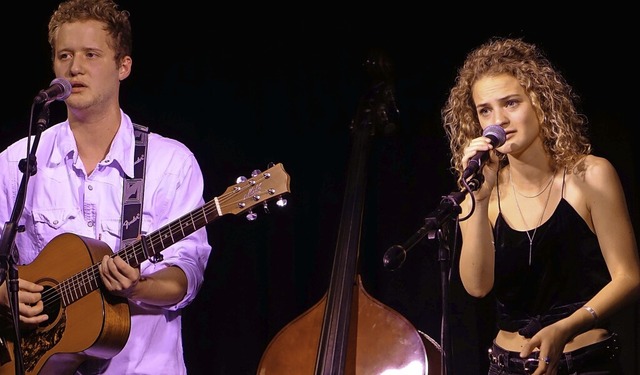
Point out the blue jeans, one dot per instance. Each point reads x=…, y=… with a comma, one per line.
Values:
x=600, y=358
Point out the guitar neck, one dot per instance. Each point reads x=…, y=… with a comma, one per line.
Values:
x=152, y=244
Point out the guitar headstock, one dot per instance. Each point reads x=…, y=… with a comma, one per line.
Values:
x=261, y=187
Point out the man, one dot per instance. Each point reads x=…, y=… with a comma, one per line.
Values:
x=82, y=166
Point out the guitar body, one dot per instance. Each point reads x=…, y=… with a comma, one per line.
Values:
x=96, y=325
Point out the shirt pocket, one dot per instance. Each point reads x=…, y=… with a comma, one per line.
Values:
x=111, y=232
x=48, y=223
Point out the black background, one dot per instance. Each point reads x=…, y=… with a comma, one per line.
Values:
x=246, y=85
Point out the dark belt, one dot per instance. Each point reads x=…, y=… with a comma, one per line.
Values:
x=570, y=362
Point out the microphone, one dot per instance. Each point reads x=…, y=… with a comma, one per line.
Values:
x=59, y=89
x=394, y=257
x=497, y=136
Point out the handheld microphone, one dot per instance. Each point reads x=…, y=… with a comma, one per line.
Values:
x=59, y=89
x=498, y=136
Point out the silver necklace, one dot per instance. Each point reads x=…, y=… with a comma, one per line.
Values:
x=531, y=236
x=536, y=194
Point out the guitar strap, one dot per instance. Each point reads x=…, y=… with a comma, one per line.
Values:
x=133, y=190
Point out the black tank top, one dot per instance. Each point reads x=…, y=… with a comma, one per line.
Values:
x=567, y=269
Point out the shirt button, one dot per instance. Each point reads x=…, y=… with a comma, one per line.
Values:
x=90, y=223
x=90, y=187
x=55, y=222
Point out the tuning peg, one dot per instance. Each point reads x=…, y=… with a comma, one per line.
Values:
x=251, y=216
x=281, y=202
x=255, y=172
x=265, y=206
x=241, y=179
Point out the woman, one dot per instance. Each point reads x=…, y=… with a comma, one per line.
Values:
x=548, y=230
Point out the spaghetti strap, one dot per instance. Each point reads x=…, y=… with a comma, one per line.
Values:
x=564, y=173
x=498, y=189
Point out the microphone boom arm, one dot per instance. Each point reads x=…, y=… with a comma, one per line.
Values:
x=449, y=208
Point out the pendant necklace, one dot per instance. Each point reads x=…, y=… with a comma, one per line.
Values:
x=516, y=193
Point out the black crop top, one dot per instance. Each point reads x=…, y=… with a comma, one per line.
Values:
x=567, y=269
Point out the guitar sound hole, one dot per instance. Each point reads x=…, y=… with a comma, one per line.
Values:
x=51, y=300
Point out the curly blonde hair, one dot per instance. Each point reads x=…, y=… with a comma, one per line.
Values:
x=116, y=22
x=563, y=129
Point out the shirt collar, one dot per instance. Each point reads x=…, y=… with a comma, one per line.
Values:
x=120, y=152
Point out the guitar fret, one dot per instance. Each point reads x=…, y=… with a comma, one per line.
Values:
x=182, y=229
x=171, y=235
x=141, y=253
x=125, y=254
x=173, y=230
x=163, y=237
x=93, y=279
x=151, y=243
x=193, y=223
x=203, y=212
x=74, y=291
x=65, y=299
x=83, y=283
x=130, y=255
x=71, y=295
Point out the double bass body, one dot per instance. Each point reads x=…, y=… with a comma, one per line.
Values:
x=380, y=341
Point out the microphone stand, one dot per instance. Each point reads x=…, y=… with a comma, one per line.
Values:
x=439, y=224
x=8, y=266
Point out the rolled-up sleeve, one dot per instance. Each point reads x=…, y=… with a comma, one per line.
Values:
x=172, y=191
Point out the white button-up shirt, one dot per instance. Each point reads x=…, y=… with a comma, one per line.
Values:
x=61, y=198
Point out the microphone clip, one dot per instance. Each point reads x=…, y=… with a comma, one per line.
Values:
x=475, y=181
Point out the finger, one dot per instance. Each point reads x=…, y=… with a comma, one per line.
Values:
x=28, y=297
x=526, y=351
x=128, y=275
x=29, y=286
x=105, y=274
x=33, y=319
x=29, y=309
x=111, y=270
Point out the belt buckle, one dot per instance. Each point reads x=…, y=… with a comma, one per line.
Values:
x=498, y=360
x=531, y=362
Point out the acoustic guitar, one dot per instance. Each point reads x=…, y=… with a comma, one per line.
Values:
x=85, y=322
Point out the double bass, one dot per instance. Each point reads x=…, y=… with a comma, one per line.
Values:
x=348, y=331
